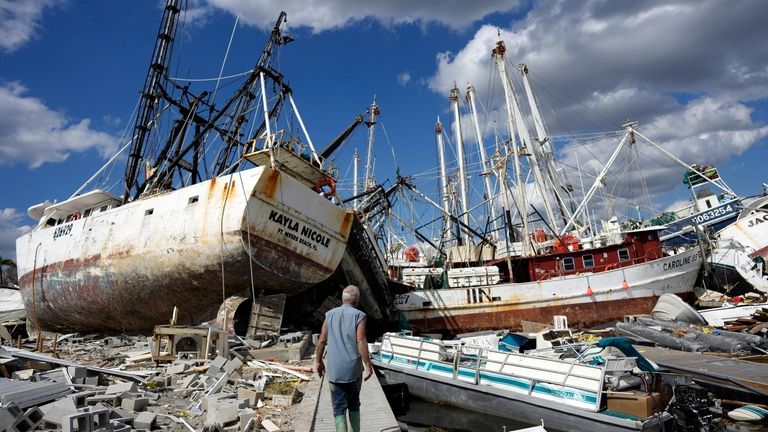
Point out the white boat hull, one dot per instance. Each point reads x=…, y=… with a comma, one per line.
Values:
x=126, y=268
x=740, y=258
x=564, y=395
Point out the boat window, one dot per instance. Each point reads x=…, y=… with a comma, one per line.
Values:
x=589, y=261
x=623, y=254
x=193, y=199
x=569, y=264
x=103, y=208
x=87, y=213
x=149, y=212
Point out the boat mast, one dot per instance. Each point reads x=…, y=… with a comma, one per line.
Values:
x=369, y=181
x=355, y=163
x=548, y=162
x=150, y=95
x=454, y=97
x=443, y=176
x=483, y=158
x=498, y=56
x=629, y=138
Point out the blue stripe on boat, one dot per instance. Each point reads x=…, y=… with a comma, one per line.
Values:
x=540, y=388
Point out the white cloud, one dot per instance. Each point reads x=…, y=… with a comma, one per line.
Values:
x=404, y=78
x=19, y=21
x=11, y=227
x=32, y=133
x=687, y=71
x=331, y=14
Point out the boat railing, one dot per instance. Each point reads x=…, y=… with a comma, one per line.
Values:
x=570, y=374
x=554, y=378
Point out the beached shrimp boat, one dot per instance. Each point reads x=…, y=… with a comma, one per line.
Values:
x=551, y=259
x=262, y=219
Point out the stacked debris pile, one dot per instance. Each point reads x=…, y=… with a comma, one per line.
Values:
x=690, y=337
x=181, y=379
x=756, y=323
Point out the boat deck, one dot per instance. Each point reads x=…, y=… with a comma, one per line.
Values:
x=739, y=375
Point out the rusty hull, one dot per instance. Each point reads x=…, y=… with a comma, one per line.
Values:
x=124, y=269
x=580, y=315
x=65, y=300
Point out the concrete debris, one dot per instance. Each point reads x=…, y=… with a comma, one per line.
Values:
x=269, y=426
x=145, y=420
x=126, y=384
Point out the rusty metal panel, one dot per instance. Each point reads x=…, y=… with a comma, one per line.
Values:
x=266, y=316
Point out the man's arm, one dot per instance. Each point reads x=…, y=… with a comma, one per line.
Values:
x=362, y=348
x=320, y=350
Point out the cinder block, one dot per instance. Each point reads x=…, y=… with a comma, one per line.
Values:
x=77, y=371
x=9, y=414
x=222, y=412
x=135, y=404
x=232, y=365
x=35, y=416
x=176, y=368
x=145, y=420
x=269, y=426
x=245, y=416
x=111, y=342
x=216, y=366
x=252, y=396
x=111, y=399
x=80, y=398
x=99, y=419
x=54, y=412
x=92, y=380
x=152, y=396
x=186, y=381
x=214, y=397
x=80, y=422
x=120, y=413
x=22, y=424
x=121, y=388
x=283, y=400
x=118, y=426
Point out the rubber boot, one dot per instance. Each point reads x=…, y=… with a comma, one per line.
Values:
x=341, y=423
x=354, y=420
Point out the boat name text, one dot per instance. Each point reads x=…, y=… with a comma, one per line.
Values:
x=680, y=262
x=62, y=231
x=294, y=230
x=757, y=220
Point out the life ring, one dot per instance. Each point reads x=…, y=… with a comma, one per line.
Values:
x=326, y=181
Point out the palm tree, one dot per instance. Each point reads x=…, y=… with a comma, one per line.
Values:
x=5, y=262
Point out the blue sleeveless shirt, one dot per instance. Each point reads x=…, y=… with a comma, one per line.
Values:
x=343, y=362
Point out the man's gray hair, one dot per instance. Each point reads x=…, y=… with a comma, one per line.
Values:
x=350, y=294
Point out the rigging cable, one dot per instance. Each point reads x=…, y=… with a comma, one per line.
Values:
x=248, y=232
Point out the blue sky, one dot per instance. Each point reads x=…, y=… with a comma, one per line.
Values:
x=693, y=73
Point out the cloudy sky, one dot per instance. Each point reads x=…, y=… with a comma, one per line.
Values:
x=692, y=73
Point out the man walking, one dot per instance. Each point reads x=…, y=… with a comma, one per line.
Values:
x=349, y=363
